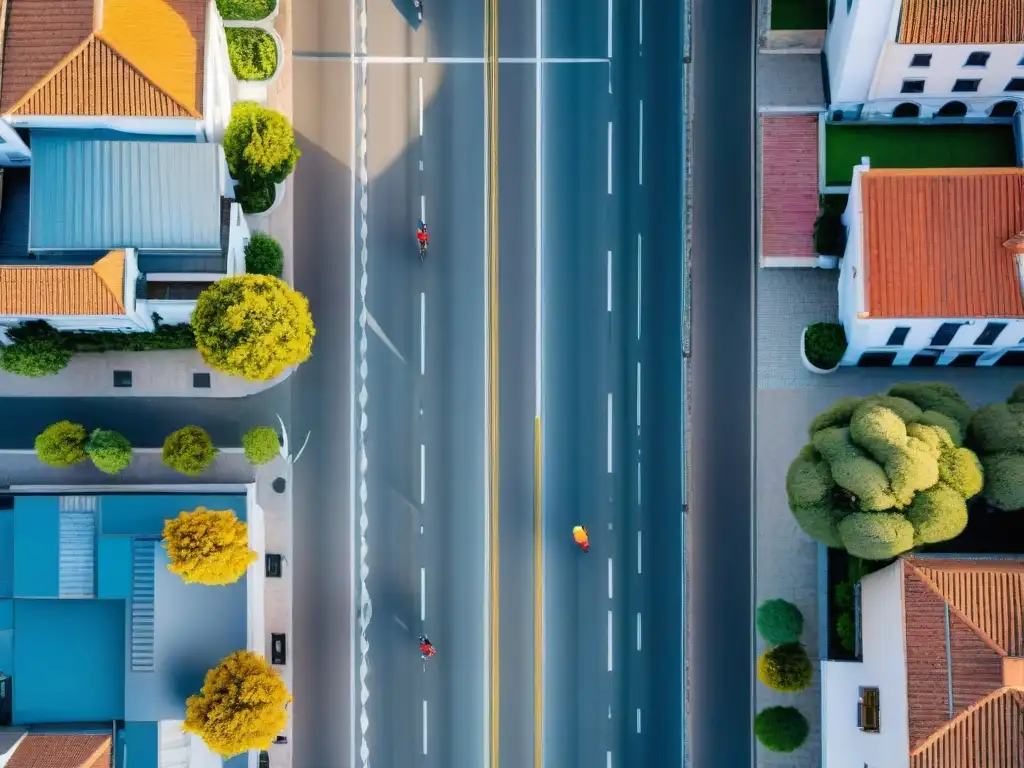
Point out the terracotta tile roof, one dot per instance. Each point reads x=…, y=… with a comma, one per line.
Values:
x=789, y=184
x=935, y=22
x=933, y=242
x=80, y=290
x=62, y=751
x=126, y=58
x=983, y=725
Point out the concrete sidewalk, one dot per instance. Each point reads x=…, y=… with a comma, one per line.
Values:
x=22, y=468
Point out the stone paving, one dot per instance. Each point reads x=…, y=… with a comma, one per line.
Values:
x=788, y=398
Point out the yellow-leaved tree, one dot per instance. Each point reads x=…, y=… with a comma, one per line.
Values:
x=208, y=547
x=242, y=705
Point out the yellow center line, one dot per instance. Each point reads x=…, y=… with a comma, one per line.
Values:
x=538, y=605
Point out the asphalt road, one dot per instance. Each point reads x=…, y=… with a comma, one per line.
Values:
x=720, y=527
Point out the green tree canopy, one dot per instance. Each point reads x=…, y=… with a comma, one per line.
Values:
x=110, y=451
x=189, y=450
x=242, y=705
x=253, y=326
x=786, y=668
x=781, y=729
x=886, y=473
x=996, y=432
x=779, y=621
x=61, y=444
x=259, y=144
x=208, y=547
x=261, y=445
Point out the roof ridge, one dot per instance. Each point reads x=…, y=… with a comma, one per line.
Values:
x=70, y=56
x=967, y=712
x=129, y=63
x=982, y=634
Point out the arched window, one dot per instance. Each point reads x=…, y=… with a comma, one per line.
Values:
x=1005, y=108
x=952, y=109
x=907, y=109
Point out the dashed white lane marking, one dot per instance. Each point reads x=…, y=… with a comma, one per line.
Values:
x=423, y=335
x=423, y=594
x=424, y=726
x=639, y=389
x=609, y=281
x=639, y=280
x=421, y=104
x=640, y=162
x=609, y=759
x=373, y=59
x=639, y=485
x=639, y=552
x=639, y=637
x=423, y=207
x=610, y=3
x=609, y=157
x=637, y=721
x=610, y=590
x=609, y=433
x=423, y=473
x=641, y=22
x=609, y=641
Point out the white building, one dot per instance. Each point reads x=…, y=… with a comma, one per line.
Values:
x=933, y=271
x=938, y=684
x=925, y=58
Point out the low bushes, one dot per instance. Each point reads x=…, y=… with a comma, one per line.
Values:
x=779, y=622
x=259, y=144
x=261, y=445
x=253, y=53
x=785, y=668
x=61, y=444
x=110, y=451
x=781, y=729
x=245, y=10
x=824, y=345
x=264, y=255
x=255, y=197
x=829, y=233
x=189, y=450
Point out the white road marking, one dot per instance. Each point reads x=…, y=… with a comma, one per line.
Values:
x=639, y=485
x=421, y=165
x=610, y=2
x=400, y=623
x=609, y=641
x=424, y=726
x=639, y=389
x=610, y=591
x=639, y=280
x=639, y=633
x=421, y=105
x=609, y=759
x=640, y=154
x=609, y=433
x=609, y=157
x=423, y=208
x=641, y=22
x=639, y=552
x=609, y=281
x=423, y=473
x=539, y=210
x=637, y=721
x=368, y=59
x=423, y=337
x=423, y=594
x=371, y=322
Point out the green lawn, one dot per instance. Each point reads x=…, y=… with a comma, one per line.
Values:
x=798, y=14
x=915, y=146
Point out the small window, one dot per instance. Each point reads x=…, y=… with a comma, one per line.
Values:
x=965, y=360
x=1016, y=85
x=273, y=566
x=122, y=379
x=201, y=380
x=869, y=710
x=966, y=86
x=945, y=334
x=912, y=86
x=921, y=60
x=926, y=358
x=278, y=648
x=977, y=59
x=897, y=337
x=876, y=359
x=990, y=334
x=1013, y=357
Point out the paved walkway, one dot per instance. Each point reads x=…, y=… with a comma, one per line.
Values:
x=22, y=468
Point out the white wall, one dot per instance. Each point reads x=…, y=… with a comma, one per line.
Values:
x=883, y=666
x=217, y=77
x=238, y=237
x=159, y=126
x=256, y=574
x=79, y=322
x=853, y=46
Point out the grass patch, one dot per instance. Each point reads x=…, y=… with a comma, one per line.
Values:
x=245, y=10
x=798, y=14
x=915, y=146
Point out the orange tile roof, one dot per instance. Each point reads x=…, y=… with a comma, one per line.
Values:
x=933, y=242
x=935, y=22
x=125, y=58
x=80, y=290
x=985, y=603
x=789, y=184
x=62, y=751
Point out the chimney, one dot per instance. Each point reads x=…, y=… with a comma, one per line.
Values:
x=1015, y=244
x=1013, y=672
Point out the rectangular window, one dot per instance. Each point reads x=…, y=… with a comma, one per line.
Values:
x=977, y=59
x=966, y=86
x=965, y=360
x=869, y=710
x=876, y=359
x=184, y=291
x=897, y=337
x=990, y=334
x=926, y=358
x=1016, y=85
x=945, y=334
x=912, y=86
x=921, y=60
x=1013, y=357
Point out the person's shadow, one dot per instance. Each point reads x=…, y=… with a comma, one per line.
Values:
x=409, y=11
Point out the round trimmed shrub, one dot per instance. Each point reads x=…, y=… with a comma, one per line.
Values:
x=781, y=729
x=261, y=444
x=255, y=196
x=110, y=451
x=264, y=255
x=245, y=10
x=825, y=345
x=189, y=450
x=785, y=668
x=876, y=535
x=259, y=144
x=253, y=53
x=35, y=357
x=61, y=444
x=779, y=621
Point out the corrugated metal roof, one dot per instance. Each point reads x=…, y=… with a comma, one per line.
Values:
x=105, y=195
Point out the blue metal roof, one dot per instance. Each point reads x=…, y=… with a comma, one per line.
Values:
x=102, y=195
